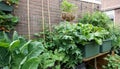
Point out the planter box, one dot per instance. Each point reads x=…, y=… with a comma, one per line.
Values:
x=90, y=50
x=5, y=7
x=106, y=46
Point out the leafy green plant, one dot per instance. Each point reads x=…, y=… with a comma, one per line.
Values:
x=68, y=7
x=97, y=19
x=68, y=37
x=113, y=62
x=7, y=21
x=20, y=53
x=90, y=33
x=52, y=59
x=115, y=36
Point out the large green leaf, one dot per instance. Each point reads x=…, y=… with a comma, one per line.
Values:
x=4, y=57
x=35, y=48
x=14, y=45
x=17, y=61
x=31, y=63
x=24, y=48
x=4, y=44
x=15, y=35
x=6, y=37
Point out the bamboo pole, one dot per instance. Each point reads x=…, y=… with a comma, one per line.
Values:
x=43, y=19
x=28, y=19
x=93, y=6
x=49, y=15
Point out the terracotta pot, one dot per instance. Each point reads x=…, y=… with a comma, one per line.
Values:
x=68, y=16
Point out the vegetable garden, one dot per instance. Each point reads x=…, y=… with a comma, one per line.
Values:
x=63, y=46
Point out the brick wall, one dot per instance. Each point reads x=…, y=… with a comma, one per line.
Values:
x=110, y=4
x=117, y=16
x=55, y=14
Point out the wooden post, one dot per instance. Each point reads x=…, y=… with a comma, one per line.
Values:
x=49, y=15
x=43, y=18
x=28, y=18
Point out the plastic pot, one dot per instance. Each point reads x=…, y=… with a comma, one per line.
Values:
x=106, y=46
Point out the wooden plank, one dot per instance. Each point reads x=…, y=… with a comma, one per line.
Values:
x=100, y=54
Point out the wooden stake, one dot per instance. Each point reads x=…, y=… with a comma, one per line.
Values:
x=43, y=18
x=49, y=15
x=28, y=19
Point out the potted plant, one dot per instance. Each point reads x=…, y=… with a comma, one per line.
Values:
x=99, y=19
x=68, y=10
x=90, y=39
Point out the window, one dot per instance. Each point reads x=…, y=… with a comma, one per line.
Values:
x=93, y=1
x=111, y=14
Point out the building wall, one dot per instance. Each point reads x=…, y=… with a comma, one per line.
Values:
x=117, y=17
x=36, y=24
x=110, y=4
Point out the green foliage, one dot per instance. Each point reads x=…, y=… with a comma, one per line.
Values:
x=115, y=36
x=68, y=7
x=97, y=19
x=81, y=33
x=7, y=21
x=113, y=62
x=20, y=54
x=68, y=38
x=11, y=2
x=52, y=59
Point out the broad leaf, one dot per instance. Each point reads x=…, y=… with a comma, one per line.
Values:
x=14, y=45
x=6, y=37
x=31, y=64
x=4, y=44
x=24, y=48
x=15, y=35
x=35, y=48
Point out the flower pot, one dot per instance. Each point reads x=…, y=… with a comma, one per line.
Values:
x=68, y=16
x=5, y=7
x=90, y=50
x=106, y=46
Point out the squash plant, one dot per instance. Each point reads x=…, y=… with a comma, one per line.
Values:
x=7, y=21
